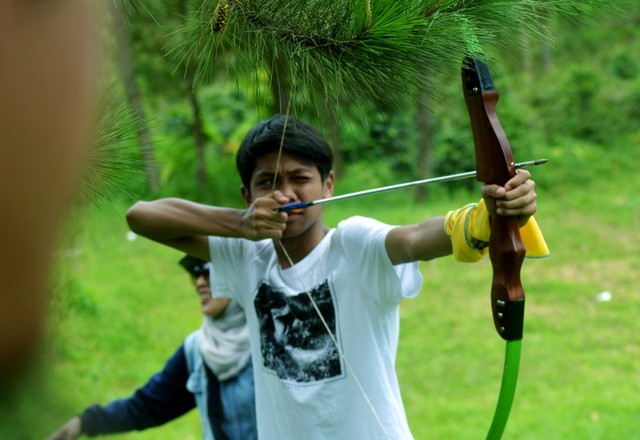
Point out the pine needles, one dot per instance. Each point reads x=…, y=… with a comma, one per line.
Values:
x=378, y=51
x=111, y=162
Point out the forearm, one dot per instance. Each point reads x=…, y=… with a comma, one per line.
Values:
x=171, y=218
x=420, y=242
x=137, y=413
x=110, y=419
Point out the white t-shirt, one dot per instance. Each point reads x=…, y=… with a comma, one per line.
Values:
x=304, y=388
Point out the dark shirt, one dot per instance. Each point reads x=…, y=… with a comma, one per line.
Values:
x=163, y=398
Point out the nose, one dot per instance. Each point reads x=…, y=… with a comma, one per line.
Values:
x=202, y=280
x=285, y=187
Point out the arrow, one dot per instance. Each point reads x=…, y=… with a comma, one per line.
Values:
x=299, y=206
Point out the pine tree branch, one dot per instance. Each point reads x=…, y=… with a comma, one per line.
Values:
x=372, y=50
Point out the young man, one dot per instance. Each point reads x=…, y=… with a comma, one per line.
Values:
x=322, y=304
x=211, y=370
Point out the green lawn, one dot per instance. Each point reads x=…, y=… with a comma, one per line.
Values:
x=123, y=306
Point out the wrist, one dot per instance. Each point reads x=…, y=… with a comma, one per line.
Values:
x=469, y=230
x=478, y=227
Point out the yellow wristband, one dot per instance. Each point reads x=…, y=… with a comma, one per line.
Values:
x=469, y=230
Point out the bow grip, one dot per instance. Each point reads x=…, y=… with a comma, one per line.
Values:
x=495, y=165
x=507, y=252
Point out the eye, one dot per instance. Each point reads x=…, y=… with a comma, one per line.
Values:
x=264, y=181
x=303, y=178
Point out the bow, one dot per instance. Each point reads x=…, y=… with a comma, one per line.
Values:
x=495, y=165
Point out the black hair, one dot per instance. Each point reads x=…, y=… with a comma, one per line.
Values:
x=300, y=139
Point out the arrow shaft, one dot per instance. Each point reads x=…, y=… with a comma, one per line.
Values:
x=449, y=178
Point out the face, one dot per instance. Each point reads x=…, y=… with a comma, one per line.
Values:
x=296, y=179
x=203, y=289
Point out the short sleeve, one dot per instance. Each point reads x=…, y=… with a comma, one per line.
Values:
x=363, y=240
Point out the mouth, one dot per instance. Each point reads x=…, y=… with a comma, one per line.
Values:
x=294, y=213
x=292, y=216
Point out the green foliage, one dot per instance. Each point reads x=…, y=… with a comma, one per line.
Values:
x=384, y=138
x=114, y=166
x=624, y=65
x=152, y=26
x=453, y=150
x=586, y=87
x=353, y=50
x=227, y=116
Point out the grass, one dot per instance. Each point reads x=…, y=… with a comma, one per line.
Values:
x=123, y=306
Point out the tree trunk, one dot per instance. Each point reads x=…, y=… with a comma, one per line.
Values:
x=134, y=97
x=424, y=149
x=198, y=136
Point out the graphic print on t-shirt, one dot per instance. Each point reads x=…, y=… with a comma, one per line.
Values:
x=293, y=340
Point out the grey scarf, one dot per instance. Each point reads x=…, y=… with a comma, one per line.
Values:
x=224, y=342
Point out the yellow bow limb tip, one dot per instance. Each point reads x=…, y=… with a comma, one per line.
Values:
x=534, y=242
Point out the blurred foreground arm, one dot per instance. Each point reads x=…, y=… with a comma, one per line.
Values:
x=47, y=62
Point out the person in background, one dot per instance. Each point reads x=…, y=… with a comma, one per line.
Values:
x=211, y=370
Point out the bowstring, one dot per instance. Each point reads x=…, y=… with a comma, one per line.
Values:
x=325, y=324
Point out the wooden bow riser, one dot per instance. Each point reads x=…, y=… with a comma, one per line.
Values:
x=495, y=165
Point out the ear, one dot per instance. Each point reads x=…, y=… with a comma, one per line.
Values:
x=328, y=185
x=246, y=195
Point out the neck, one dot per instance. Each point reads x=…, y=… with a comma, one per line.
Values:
x=297, y=248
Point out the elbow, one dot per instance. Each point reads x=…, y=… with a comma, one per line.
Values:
x=135, y=217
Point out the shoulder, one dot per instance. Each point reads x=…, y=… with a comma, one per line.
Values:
x=361, y=227
x=361, y=236
x=360, y=222
x=190, y=340
x=190, y=349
